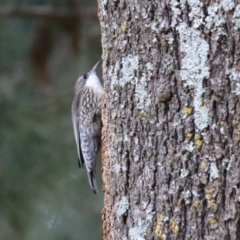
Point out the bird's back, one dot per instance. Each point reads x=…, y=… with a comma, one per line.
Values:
x=87, y=122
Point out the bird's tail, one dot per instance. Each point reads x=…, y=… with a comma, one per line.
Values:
x=92, y=181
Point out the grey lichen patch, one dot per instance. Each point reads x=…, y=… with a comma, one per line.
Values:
x=175, y=6
x=236, y=17
x=230, y=163
x=196, y=14
x=150, y=67
x=227, y=5
x=117, y=168
x=190, y=147
x=103, y=3
x=155, y=27
x=234, y=76
x=127, y=74
x=170, y=41
x=123, y=206
x=202, y=119
x=214, y=172
x=194, y=69
x=186, y=195
x=214, y=20
x=143, y=100
x=129, y=66
x=184, y=173
x=136, y=149
x=138, y=232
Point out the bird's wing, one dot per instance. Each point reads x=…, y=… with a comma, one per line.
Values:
x=87, y=148
x=88, y=145
x=75, y=120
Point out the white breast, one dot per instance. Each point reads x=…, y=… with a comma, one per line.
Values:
x=94, y=82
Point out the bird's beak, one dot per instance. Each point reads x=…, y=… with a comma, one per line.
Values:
x=95, y=66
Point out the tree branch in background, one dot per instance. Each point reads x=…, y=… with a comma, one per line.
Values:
x=47, y=12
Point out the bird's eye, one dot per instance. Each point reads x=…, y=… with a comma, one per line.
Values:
x=85, y=76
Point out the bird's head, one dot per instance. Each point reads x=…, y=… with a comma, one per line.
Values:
x=81, y=81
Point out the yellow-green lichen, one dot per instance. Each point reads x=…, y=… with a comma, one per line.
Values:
x=203, y=165
x=212, y=220
x=174, y=226
x=189, y=135
x=124, y=27
x=197, y=203
x=158, y=230
x=212, y=203
x=198, y=143
x=187, y=110
x=209, y=193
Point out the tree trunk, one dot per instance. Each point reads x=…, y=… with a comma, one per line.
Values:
x=171, y=116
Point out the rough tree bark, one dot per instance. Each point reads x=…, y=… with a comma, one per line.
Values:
x=171, y=115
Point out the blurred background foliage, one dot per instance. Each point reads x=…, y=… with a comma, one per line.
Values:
x=43, y=194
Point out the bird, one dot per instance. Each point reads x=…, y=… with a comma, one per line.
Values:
x=87, y=123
